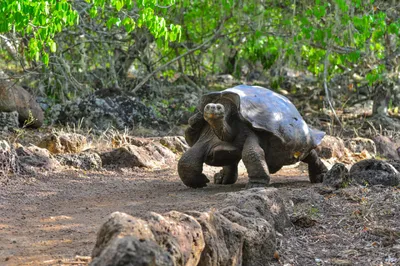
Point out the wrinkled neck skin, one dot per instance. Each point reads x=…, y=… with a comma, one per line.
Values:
x=221, y=128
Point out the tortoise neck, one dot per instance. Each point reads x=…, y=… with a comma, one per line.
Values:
x=221, y=128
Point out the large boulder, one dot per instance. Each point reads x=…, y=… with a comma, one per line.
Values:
x=241, y=232
x=15, y=98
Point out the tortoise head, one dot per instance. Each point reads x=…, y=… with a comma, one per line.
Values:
x=214, y=111
x=216, y=105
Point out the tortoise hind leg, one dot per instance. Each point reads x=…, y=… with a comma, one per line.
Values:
x=253, y=157
x=228, y=175
x=190, y=167
x=316, y=168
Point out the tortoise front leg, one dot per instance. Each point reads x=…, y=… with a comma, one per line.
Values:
x=316, y=168
x=190, y=167
x=228, y=175
x=253, y=157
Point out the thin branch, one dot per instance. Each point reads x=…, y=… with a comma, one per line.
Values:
x=326, y=61
x=210, y=40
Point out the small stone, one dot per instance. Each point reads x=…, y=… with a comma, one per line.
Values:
x=64, y=143
x=358, y=145
x=337, y=176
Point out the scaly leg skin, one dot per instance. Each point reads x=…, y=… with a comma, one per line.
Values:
x=316, y=168
x=190, y=167
x=253, y=157
x=228, y=175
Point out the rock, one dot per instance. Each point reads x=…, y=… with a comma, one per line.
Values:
x=395, y=164
x=261, y=212
x=36, y=157
x=259, y=236
x=303, y=221
x=15, y=98
x=180, y=235
x=241, y=233
x=9, y=161
x=58, y=143
x=358, y=145
x=129, y=251
x=374, y=172
x=176, y=144
x=150, y=155
x=126, y=156
x=9, y=120
x=121, y=140
x=223, y=239
x=119, y=225
x=85, y=160
x=331, y=147
x=387, y=148
x=117, y=110
x=337, y=176
x=261, y=202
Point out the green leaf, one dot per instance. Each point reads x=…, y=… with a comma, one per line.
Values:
x=53, y=47
x=119, y=5
x=93, y=12
x=45, y=58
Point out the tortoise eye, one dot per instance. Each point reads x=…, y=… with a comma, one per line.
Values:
x=218, y=107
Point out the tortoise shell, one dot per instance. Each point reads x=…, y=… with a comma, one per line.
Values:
x=268, y=111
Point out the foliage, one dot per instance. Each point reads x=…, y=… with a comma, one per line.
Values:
x=116, y=43
x=39, y=21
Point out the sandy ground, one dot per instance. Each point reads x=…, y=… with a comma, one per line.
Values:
x=51, y=218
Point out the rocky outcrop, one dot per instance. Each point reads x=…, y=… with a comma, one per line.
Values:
x=102, y=111
x=150, y=154
x=35, y=157
x=242, y=232
x=15, y=98
x=63, y=143
x=85, y=160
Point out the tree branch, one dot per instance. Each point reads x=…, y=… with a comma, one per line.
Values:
x=326, y=61
x=204, y=44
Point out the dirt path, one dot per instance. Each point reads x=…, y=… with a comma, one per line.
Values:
x=56, y=216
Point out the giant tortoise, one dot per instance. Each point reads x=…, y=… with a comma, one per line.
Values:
x=249, y=123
